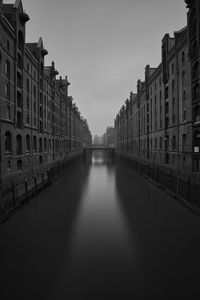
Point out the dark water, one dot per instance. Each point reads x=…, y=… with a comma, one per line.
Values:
x=100, y=232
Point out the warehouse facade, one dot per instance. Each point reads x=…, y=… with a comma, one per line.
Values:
x=40, y=125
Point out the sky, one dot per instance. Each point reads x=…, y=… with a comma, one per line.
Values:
x=102, y=46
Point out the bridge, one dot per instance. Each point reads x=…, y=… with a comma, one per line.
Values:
x=94, y=148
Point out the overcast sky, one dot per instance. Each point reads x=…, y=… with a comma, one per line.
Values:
x=102, y=46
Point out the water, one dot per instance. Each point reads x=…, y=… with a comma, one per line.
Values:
x=100, y=232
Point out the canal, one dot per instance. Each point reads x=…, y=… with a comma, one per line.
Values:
x=100, y=231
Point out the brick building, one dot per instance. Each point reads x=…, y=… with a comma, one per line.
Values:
x=159, y=125
x=40, y=125
x=108, y=138
x=193, y=27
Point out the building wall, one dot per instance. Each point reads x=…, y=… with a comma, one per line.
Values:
x=39, y=123
x=157, y=125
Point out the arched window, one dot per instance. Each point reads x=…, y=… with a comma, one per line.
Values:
x=34, y=143
x=8, y=143
x=19, y=120
x=19, y=165
x=7, y=69
x=19, y=145
x=40, y=145
x=40, y=160
x=28, y=143
x=197, y=113
x=173, y=142
x=49, y=143
x=184, y=142
x=8, y=115
x=19, y=99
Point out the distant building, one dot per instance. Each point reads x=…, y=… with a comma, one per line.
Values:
x=108, y=138
x=97, y=140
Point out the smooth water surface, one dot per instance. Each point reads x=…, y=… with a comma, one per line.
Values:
x=100, y=232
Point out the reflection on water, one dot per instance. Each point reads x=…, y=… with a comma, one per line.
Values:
x=100, y=232
x=102, y=249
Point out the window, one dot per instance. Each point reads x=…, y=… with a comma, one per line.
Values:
x=27, y=103
x=184, y=162
x=172, y=69
x=34, y=92
x=28, y=143
x=160, y=142
x=19, y=99
x=8, y=45
x=34, y=143
x=9, y=165
x=7, y=69
x=19, y=120
x=8, y=143
x=197, y=113
x=40, y=145
x=7, y=90
x=183, y=57
x=34, y=106
x=19, y=165
x=166, y=93
x=19, y=80
x=173, y=142
x=184, y=142
x=19, y=145
x=160, y=81
x=28, y=119
x=197, y=140
x=8, y=115
x=155, y=143
x=196, y=165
